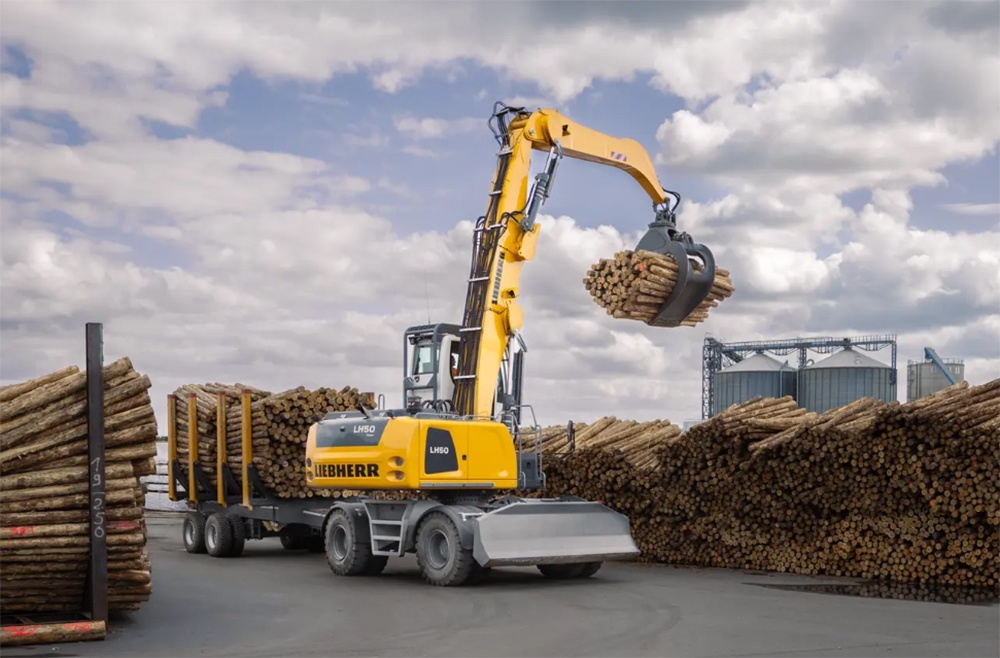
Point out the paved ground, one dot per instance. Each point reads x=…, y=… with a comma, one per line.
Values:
x=275, y=603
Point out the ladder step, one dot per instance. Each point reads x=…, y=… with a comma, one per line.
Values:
x=385, y=538
x=479, y=278
x=380, y=522
x=463, y=329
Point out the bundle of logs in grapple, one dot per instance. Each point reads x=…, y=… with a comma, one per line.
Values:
x=904, y=493
x=279, y=424
x=44, y=495
x=634, y=284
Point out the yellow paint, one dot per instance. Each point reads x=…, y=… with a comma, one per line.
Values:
x=192, y=446
x=171, y=445
x=220, y=448
x=245, y=427
x=485, y=455
x=539, y=130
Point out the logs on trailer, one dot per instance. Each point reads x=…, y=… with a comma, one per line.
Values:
x=901, y=493
x=279, y=428
x=633, y=285
x=44, y=495
x=206, y=396
x=279, y=425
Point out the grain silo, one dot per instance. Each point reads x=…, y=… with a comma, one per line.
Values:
x=925, y=377
x=758, y=375
x=843, y=378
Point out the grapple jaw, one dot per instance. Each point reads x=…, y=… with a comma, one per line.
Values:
x=693, y=284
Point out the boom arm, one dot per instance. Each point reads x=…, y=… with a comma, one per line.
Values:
x=507, y=236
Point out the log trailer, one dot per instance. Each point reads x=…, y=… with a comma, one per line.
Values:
x=464, y=443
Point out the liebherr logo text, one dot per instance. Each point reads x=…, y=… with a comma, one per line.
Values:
x=347, y=470
x=364, y=429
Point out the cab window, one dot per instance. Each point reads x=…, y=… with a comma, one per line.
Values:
x=423, y=363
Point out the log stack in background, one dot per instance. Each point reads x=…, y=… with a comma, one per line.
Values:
x=899, y=493
x=633, y=285
x=44, y=495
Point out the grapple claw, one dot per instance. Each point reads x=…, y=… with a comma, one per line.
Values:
x=693, y=285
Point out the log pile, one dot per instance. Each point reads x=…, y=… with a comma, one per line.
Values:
x=44, y=496
x=633, y=285
x=206, y=396
x=279, y=427
x=899, y=493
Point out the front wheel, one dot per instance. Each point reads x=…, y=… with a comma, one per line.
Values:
x=442, y=559
x=346, y=554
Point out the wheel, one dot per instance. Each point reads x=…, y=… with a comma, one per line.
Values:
x=218, y=535
x=589, y=569
x=193, y=532
x=239, y=535
x=561, y=571
x=346, y=554
x=443, y=561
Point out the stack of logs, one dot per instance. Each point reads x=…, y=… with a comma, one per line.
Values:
x=633, y=285
x=903, y=493
x=44, y=494
x=279, y=426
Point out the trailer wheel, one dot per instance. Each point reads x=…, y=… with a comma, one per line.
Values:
x=193, y=532
x=442, y=559
x=561, y=571
x=589, y=569
x=218, y=535
x=239, y=535
x=345, y=553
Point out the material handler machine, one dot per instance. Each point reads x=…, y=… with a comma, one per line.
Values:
x=464, y=442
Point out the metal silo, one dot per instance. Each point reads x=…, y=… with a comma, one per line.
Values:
x=758, y=375
x=925, y=377
x=843, y=378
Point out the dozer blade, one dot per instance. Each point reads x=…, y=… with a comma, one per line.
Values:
x=692, y=286
x=534, y=531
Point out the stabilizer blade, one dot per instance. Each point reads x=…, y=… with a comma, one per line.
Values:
x=534, y=531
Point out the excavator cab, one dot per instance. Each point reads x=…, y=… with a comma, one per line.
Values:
x=694, y=280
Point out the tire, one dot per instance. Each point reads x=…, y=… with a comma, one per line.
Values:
x=346, y=553
x=443, y=562
x=239, y=535
x=218, y=535
x=193, y=532
x=589, y=569
x=561, y=571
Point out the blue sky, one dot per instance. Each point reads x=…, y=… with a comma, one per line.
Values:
x=791, y=167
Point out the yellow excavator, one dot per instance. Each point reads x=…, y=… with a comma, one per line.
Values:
x=463, y=442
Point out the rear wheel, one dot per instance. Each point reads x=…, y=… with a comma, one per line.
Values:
x=218, y=535
x=589, y=569
x=561, y=571
x=239, y=535
x=442, y=559
x=293, y=542
x=193, y=532
x=346, y=553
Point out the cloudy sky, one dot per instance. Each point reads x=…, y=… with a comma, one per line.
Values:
x=270, y=192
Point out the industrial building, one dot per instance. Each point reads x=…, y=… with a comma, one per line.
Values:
x=930, y=375
x=733, y=373
x=736, y=372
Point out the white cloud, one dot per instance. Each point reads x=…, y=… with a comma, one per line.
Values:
x=987, y=209
x=269, y=274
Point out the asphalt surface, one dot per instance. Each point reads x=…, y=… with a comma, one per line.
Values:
x=272, y=602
